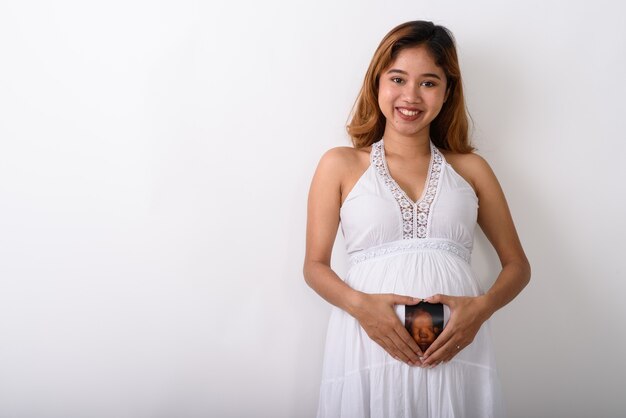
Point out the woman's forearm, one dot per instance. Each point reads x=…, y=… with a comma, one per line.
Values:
x=514, y=276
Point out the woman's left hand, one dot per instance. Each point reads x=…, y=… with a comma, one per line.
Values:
x=467, y=314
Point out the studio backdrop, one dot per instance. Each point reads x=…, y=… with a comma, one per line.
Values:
x=155, y=160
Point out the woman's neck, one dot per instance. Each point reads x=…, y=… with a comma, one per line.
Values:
x=407, y=146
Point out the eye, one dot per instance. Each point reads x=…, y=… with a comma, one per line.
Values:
x=428, y=84
x=397, y=80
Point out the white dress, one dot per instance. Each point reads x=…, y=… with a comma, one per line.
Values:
x=417, y=249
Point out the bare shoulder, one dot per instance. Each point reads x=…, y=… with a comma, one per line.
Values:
x=346, y=155
x=471, y=166
x=341, y=163
x=337, y=158
x=337, y=172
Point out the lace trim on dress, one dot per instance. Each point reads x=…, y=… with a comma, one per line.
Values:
x=401, y=247
x=415, y=215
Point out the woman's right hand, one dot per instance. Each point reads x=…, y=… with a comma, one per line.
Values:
x=376, y=314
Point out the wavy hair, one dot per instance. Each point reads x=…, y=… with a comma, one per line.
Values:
x=449, y=130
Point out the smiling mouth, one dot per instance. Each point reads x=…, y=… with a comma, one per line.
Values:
x=407, y=112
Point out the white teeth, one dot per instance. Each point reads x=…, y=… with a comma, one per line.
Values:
x=408, y=112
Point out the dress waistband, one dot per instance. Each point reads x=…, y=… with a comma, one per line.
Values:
x=411, y=245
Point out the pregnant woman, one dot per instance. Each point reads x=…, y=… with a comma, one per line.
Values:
x=408, y=195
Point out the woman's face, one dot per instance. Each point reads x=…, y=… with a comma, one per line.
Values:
x=423, y=330
x=411, y=92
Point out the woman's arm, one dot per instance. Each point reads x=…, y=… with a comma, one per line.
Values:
x=321, y=229
x=468, y=313
x=494, y=218
x=374, y=312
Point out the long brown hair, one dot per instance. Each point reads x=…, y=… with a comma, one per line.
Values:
x=449, y=130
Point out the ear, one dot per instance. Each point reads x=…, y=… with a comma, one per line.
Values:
x=447, y=94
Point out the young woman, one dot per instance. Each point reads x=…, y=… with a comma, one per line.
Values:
x=408, y=195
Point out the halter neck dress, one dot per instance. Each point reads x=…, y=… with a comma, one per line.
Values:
x=410, y=248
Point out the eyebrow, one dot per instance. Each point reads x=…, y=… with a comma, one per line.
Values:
x=395, y=70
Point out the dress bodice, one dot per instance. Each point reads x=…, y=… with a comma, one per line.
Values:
x=377, y=211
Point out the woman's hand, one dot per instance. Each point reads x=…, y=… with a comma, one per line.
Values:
x=377, y=316
x=467, y=314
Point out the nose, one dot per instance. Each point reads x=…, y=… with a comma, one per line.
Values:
x=411, y=93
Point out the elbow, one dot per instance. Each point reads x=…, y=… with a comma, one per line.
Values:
x=307, y=268
x=305, y=273
x=311, y=270
x=526, y=271
x=519, y=268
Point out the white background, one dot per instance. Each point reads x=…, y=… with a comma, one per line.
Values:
x=155, y=159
